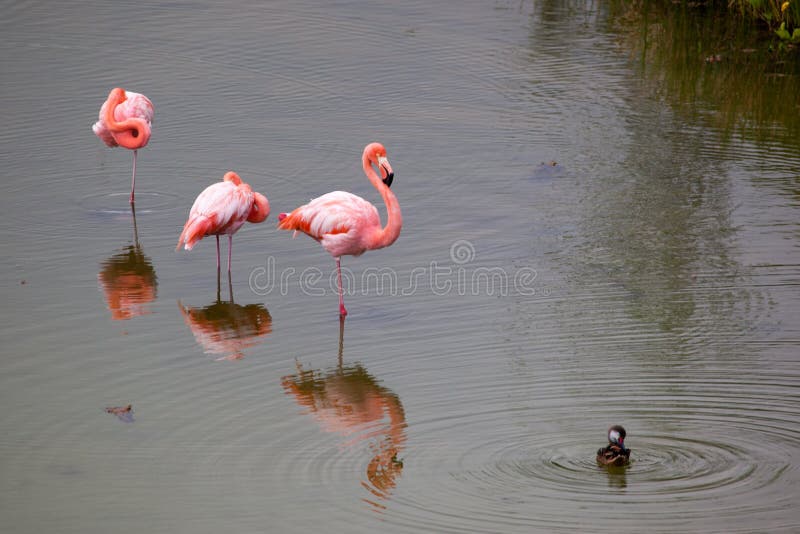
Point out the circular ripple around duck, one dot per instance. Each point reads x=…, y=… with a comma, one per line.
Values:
x=523, y=480
x=658, y=468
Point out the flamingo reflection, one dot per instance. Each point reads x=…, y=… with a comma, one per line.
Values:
x=225, y=328
x=128, y=280
x=347, y=400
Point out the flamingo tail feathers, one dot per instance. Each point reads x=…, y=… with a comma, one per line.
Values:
x=294, y=221
x=194, y=231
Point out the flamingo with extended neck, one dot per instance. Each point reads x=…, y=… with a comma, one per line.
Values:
x=125, y=119
x=221, y=209
x=346, y=224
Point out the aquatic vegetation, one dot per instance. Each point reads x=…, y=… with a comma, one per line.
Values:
x=783, y=33
x=715, y=67
x=771, y=12
x=769, y=18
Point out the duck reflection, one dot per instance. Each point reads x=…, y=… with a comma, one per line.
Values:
x=225, y=328
x=616, y=477
x=347, y=400
x=128, y=280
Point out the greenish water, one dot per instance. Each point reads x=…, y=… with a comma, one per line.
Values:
x=647, y=279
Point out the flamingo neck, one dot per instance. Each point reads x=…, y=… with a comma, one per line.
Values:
x=131, y=133
x=232, y=177
x=388, y=234
x=260, y=210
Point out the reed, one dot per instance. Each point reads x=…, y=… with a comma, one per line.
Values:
x=779, y=19
x=719, y=66
x=774, y=13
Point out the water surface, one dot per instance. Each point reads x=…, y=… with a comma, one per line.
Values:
x=648, y=278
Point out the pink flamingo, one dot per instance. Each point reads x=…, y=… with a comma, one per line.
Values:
x=125, y=119
x=221, y=209
x=344, y=223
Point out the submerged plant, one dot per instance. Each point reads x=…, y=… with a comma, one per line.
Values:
x=775, y=17
x=783, y=33
x=702, y=57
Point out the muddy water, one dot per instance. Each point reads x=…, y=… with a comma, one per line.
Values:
x=647, y=278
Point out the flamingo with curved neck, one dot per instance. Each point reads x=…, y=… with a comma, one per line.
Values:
x=125, y=119
x=221, y=209
x=346, y=224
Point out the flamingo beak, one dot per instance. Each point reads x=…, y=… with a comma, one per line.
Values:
x=386, y=171
x=388, y=179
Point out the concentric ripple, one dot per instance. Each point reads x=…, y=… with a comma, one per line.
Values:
x=117, y=204
x=658, y=468
x=527, y=479
x=664, y=258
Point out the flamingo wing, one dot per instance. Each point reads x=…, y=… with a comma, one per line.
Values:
x=335, y=213
x=339, y=221
x=224, y=202
x=136, y=105
x=220, y=209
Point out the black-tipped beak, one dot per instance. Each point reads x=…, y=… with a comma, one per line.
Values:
x=389, y=178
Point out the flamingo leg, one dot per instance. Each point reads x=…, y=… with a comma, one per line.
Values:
x=230, y=249
x=133, y=177
x=341, y=341
x=342, y=310
x=135, y=229
x=217, y=253
x=219, y=298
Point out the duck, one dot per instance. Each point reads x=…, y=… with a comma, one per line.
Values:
x=615, y=453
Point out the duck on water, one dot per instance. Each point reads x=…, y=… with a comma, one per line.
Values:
x=615, y=453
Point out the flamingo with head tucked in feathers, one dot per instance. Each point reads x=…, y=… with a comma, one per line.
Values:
x=221, y=209
x=125, y=119
x=346, y=224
